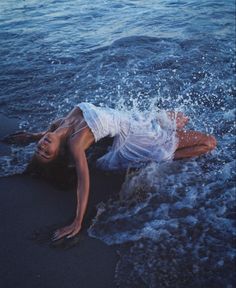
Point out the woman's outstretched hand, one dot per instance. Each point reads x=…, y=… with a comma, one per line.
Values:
x=68, y=231
x=21, y=137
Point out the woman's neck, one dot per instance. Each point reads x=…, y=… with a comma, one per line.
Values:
x=67, y=127
x=63, y=132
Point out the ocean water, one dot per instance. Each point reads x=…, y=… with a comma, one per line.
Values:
x=173, y=224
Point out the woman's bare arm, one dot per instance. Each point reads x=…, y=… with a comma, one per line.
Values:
x=82, y=186
x=78, y=147
x=24, y=137
x=82, y=199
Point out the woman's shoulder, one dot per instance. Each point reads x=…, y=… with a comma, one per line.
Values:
x=80, y=140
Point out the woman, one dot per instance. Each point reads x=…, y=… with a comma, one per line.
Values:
x=138, y=139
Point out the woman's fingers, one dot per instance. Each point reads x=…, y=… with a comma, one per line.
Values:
x=11, y=137
x=61, y=233
x=181, y=120
x=68, y=231
x=18, y=137
x=58, y=235
x=75, y=232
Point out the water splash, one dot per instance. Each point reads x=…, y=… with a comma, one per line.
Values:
x=180, y=222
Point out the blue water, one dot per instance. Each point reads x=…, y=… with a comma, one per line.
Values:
x=174, y=224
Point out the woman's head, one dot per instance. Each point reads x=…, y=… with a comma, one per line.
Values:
x=48, y=148
x=56, y=169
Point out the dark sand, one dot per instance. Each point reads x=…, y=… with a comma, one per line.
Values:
x=30, y=210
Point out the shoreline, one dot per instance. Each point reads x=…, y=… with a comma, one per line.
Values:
x=31, y=210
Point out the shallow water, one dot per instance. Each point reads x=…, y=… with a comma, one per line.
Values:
x=174, y=224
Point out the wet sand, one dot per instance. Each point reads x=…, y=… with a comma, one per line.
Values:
x=30, y=211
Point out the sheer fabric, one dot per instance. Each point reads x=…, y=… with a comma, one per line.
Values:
x=138, y=138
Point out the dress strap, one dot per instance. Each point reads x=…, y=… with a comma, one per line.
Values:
x=80, y=128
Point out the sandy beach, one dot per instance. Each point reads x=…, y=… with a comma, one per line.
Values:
x=30, y=211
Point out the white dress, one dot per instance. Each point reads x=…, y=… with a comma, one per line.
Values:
x=138, y=138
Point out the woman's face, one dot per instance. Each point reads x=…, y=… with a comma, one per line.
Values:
x=48, y=147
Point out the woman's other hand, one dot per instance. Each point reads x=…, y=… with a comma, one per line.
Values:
x=21, y=137
x=181, y=120
x=179, y=117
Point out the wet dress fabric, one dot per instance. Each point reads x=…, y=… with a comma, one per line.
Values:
x=139, y=138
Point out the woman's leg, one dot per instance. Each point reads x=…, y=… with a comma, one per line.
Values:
x=193, y=143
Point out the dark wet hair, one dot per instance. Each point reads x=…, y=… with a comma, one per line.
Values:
x=59, y=172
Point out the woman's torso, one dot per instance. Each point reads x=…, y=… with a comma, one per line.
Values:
x=137, y=137
x=103, y=121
